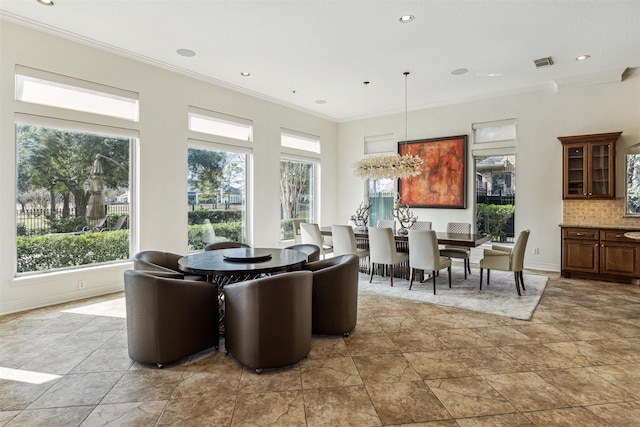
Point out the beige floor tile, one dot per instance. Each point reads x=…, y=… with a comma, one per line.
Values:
x=214, y=410
x=585, y=386
x=503, y=335
x=282, y=379
x=78, y=390
x=284, y=408
x=144, y=385
x=334, y=372
x=364, y=344
x=527, y=391
x=16, y=395
x=568, y=417
x=626, y=376
x=624, y=414
x=104, y=360
x=339, y=406
x=469, y=397
x=538, y=356
x=543, y=333
x=406, y=402
x=51, y=417
x=584, y=353
x=133, y=414
x=489, y=360
x=420, y=340
x=393, y=324
x=461, y=338
x=385, y=368
x=506, y=420
x=327, y=347
x=439, y=364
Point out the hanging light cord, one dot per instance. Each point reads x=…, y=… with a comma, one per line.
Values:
x=406, y=109
x=366, y=103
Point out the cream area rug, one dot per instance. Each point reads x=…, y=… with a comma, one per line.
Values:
x=499, y=298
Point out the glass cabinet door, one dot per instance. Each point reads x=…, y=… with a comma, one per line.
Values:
x=600, y=173
x=575, y=171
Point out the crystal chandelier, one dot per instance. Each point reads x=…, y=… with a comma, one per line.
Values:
x=393, y=166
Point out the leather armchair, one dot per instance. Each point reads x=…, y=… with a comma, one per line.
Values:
x=225, y=245
x=335, y=294
x=311, y=251
x=167, y=318
x=268, y=320
x=161, y=261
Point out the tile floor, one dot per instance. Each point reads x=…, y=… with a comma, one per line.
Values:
x=576, y=363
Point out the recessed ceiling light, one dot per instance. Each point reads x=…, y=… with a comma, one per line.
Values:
x=186, y=52
x=583, y=57
x=320, y=101
x=46, y=2
x=405, y=19
x=245, y=74
x=459, y=71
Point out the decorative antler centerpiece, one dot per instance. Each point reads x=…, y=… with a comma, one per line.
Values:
x=404, y=216
x=361, y=218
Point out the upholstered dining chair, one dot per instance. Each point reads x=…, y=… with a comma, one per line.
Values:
x=225, y=245
x=161, y=261
x=421, y=226
x=458, y=252
x=310, y=234
x=424, y=255
x=268, y=320
x=344, y=241
x=506, y=259
x=168, y=318
x=311, y=251
x=382, y=250
x=387, y=223
x=335, y=294
x=296, y=229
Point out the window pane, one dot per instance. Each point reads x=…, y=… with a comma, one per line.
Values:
x=297, y=194
x=219, y=126
x=633, y=184
x=55, y=94
x=382, y=196
x=72, y=198
x=216, y=185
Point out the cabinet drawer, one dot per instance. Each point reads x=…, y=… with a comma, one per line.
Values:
x=581, y=233
x=616, y=236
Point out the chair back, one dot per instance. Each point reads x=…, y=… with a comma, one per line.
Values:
x=225, y=245
x=120, y=223
x=156, y=261
x=382, y=246
x=311, y=251
x=296, y=229
x=459, y=227
x=423, y=250
x=344, y=240
x=387, y=223
x=519, y=248
x=421, y=226
x=310, y=234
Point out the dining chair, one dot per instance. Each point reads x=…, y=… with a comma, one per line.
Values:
x=458, y=252
x=424, y=255
x=225, y=245
x=506, y=259
x=387, y=223
x=344, y=242
x=310, y=234
x=382, y=250
x=296, y=229
x=166, y=262
x=421, y=226
x=311, y=251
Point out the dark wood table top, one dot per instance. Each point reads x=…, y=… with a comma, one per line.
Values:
x=444, y=238
x=242, y=261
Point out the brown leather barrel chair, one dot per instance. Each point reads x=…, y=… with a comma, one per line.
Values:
x=335, y=294
x=311, y=251
x=161, y=261
x=225, y=245
x=168, y=318
x=268, y=320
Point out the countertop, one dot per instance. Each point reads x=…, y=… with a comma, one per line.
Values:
x=601, y=226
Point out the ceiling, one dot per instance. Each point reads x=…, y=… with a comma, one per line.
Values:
x=303, y=52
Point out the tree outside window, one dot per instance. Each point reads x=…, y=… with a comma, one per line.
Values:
x=297, y=195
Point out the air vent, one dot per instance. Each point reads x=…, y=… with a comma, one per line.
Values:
x=543, y=62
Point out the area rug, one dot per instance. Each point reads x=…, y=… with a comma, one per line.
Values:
x=499, y=298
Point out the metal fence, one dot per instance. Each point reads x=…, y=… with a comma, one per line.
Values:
x=37, y=219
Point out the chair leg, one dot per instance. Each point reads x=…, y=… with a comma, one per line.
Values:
x=411, y=274
x=521, y=280
x=391, y=273
x=515, y=276
x=464, y=267
x=468, y=264
x=480, y=278
x=371, y=276
x=449, y=271
x=488, y=276
x=433, y=274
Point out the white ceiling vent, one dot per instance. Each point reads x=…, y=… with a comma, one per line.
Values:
x=543, y=62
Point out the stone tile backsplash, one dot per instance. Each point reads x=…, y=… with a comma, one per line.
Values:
x=597, y=213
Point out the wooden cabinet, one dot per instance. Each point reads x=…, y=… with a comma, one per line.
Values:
x=603, y=254
x=589, y=166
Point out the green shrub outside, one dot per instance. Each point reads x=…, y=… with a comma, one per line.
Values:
x=51, y=251
x=227, y=230
x=215, y=216
x=495, y=217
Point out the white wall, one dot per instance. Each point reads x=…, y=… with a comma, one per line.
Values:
x=162, y=161
x=542, y=116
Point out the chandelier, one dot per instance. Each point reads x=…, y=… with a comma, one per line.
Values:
x=393, y=166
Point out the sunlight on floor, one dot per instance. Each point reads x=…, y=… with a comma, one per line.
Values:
x=112, y=308
x=23, y=376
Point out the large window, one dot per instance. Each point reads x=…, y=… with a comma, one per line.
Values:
x=217, y=202
x=72, y=204
x=297, y=193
